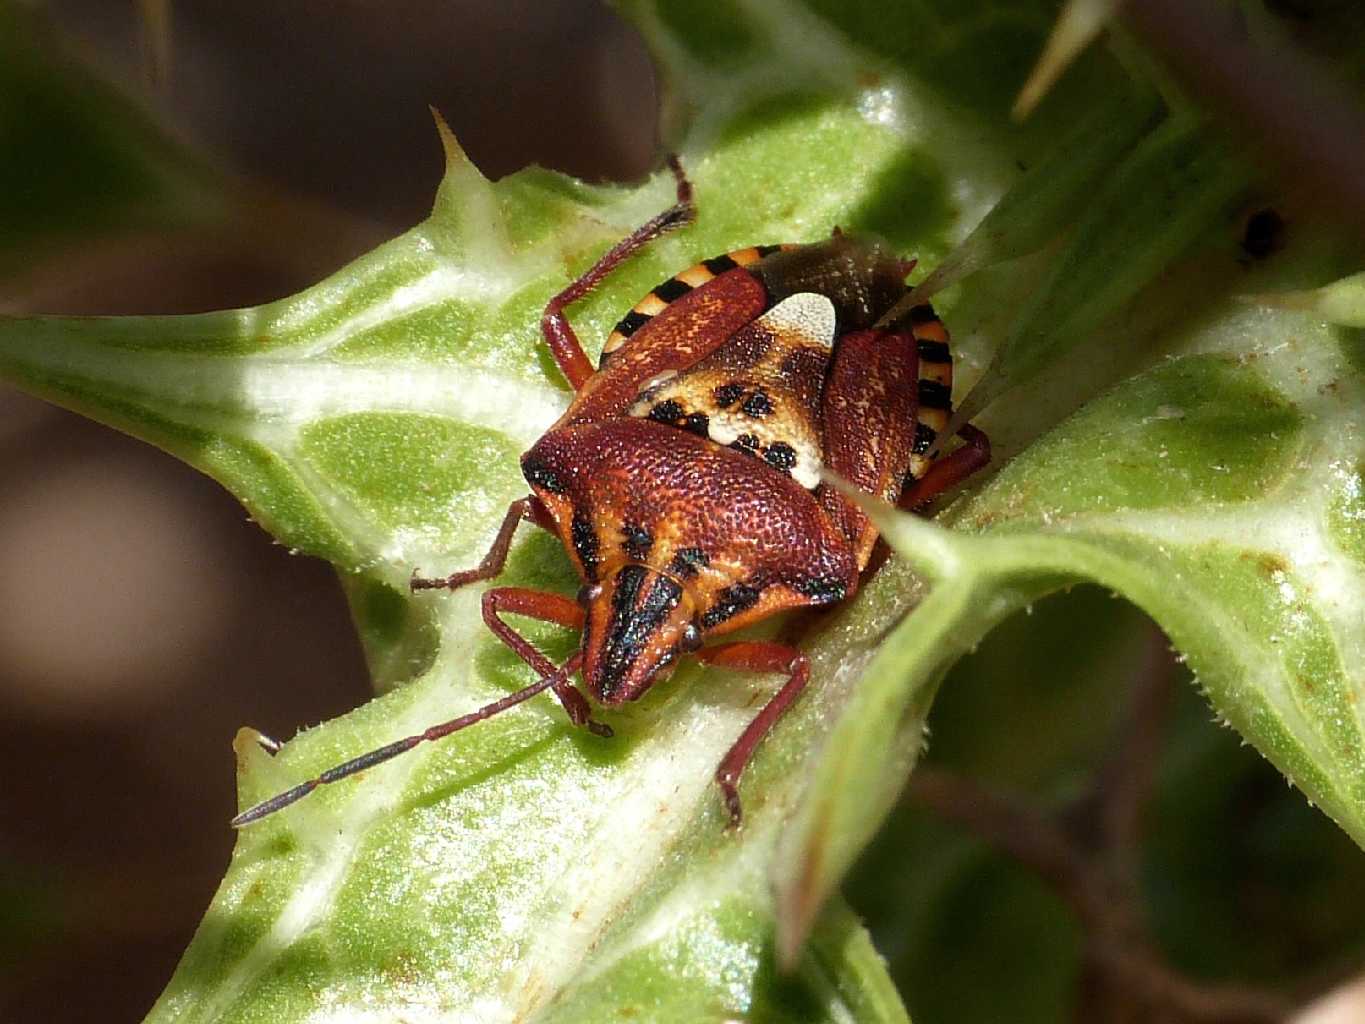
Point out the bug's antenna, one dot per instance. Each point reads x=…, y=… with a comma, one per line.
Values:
x=391, y=750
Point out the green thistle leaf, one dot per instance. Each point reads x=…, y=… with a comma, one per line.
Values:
x=526, y=871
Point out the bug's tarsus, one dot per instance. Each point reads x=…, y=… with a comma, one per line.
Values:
x=559, y=333
x=562, y=611
x=753, y=656
x=378, y=756
x=527, y=508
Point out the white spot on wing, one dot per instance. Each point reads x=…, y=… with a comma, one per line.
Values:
x=805, y=318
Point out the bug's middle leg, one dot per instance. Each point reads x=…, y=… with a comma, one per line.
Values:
x=753, y=656
x=554, y=325
x=562, y=611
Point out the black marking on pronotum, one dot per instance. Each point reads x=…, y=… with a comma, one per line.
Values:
x=729, y=603
x=727, y=395
x=922, y=314
x=667, y=411
x=780, y=455
x=757, y=405
x=933, y=351
x=638, y=541
x=687, y=562
x=925, y=435
x=823, y=589
x=719, y=264
x=634, y=621
x=585, y=542
x=537, y=472
x=672, y=289
x=698, y=423
x=632, y=322
x=933, y=395
x=766, y=250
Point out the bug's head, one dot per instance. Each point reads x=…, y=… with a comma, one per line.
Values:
x=640, y=621
x=860, y=275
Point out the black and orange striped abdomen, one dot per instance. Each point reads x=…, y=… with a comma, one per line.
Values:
x=664, y=294
x=935, y=397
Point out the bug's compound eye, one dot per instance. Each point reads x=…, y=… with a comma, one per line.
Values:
x=588, y=593
x=690, y=639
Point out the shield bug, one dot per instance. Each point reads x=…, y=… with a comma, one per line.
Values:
x=685, y=480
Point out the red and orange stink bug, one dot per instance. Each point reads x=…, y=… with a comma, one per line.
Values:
x=685, y=479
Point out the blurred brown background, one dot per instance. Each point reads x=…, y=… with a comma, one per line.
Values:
x=142, y=618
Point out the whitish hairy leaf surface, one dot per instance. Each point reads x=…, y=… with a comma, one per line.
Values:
x=526, y=871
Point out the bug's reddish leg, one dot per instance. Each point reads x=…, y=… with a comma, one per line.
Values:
x=559, y=333
x=528, y=507
x=755, y=657
x=950, y=470
x=392, y=750
x=548, y=608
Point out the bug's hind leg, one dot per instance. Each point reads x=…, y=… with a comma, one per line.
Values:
x=754, y=656
x=548, y=608
x=528, y=507
x=950, y=470
x=554, y=325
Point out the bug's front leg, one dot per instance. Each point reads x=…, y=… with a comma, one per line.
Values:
x=754, y=656
x=528, y=507
x=554, y=325
x=548, y=608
